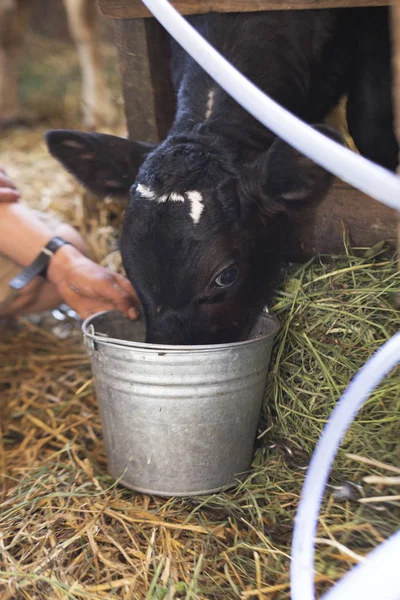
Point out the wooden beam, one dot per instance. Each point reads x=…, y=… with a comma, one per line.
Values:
x=144, y=61
x=321, y=229
x=135, y=9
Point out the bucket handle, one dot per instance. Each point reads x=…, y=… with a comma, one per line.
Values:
x=89, y=341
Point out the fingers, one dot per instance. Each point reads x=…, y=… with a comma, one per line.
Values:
x=9, y=195
x=108, y=287
x=127, y=287
x=134, y=311
x=111, y=290
x=85, y=307
x=105, y=294
x=8, y=191
x=6, y=181
x=81, y=282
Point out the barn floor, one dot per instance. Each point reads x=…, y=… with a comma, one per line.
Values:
x=68, y=531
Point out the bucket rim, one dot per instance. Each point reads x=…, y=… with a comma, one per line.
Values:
x=98, y=338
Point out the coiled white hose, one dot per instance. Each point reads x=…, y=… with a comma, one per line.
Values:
x=378, y=576
x=302, y=566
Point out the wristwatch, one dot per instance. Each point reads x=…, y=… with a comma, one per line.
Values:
x=39, y=265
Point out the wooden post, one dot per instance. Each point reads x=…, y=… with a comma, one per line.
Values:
x=144, y=60
x=395, y=27
x=395, y=31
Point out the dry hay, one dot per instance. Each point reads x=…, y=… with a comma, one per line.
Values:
x=69, y=531
x=50, y=95
x=47, y=187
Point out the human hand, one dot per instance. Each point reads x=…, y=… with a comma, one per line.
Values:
x=89, y=288
x=8, y=190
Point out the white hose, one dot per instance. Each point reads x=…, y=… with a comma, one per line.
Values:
x=302, y=565
x=363, y=581
x=352, y=168
x=378, y=576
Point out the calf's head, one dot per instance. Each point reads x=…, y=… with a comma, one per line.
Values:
x=204, y=232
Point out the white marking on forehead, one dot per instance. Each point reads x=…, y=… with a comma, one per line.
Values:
x=210, y=104
x=150, y=194
x=195, y=198
x=197, y=206
x=146, y=192
x=174, y=197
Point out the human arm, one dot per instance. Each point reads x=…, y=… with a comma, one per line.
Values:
x=84, y=285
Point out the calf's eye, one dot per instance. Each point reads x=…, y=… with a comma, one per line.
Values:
x=227, y=277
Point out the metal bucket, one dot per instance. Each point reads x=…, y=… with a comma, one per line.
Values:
x=177, y=420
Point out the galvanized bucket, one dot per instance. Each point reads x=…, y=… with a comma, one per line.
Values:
x=177, y=420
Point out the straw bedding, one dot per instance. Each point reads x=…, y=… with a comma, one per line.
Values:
x=68, y=531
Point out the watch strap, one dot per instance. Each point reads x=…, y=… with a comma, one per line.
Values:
x=39, y=266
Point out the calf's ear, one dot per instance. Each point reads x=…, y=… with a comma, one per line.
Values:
x=288, y=176
x=104, y=164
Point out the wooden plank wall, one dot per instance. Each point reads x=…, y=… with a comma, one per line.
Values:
x=144, y=62
x=395, y=23
x=135, y=9
x=344, y=211
x=395, y=30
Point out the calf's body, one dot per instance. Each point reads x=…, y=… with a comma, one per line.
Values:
x=209, y=213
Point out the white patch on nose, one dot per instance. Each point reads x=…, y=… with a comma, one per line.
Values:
x=210, y=104
x=197, y=206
